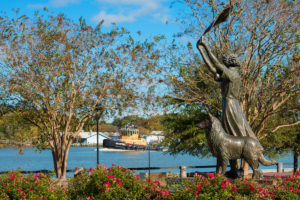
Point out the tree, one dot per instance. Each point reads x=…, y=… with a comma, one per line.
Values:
x=60, y=72
x=286, y=138
x=181, y=133
x=14, y=127
x=259, y=33
x=129, y=120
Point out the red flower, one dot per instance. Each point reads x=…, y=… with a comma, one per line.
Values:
x=120, y=183
x=12, y=176
x=211, y=175
x=199, y=187
x=195, y=193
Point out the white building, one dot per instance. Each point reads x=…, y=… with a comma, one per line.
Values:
x=91, y=137
x=155, y=137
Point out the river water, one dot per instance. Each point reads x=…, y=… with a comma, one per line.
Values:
x=85, y=157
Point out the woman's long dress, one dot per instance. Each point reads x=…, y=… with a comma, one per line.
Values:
x=233, y=118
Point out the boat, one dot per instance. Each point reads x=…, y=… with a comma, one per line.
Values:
x=130, y=140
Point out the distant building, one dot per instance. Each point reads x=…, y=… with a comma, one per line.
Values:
x=91, y=137
x=155, y=137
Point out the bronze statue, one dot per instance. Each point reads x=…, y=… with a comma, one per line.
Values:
x=227, y=147
x=241, y=141
x=233, y=118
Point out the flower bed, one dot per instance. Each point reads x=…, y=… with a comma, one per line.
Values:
x=119, y=183
x=15, y=185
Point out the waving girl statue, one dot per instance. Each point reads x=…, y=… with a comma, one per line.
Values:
x=233, y=119
x=227, y=73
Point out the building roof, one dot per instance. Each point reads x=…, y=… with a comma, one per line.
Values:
x=85, y=135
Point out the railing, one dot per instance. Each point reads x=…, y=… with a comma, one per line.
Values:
x=183, y=169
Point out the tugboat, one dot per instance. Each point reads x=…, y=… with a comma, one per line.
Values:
x=129, y=140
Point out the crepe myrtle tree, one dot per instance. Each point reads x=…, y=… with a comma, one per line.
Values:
x=263, y=34
x=58, y=71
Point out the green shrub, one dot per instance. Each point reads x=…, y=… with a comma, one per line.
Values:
x=15, y=185
x=119, y=183
x=114, y=183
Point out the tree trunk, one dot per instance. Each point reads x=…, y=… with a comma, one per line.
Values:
x=60, y=162
x=296, y=154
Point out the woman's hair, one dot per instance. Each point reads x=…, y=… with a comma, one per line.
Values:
x=231, y=60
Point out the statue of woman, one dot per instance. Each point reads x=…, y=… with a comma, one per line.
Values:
x=233, y=118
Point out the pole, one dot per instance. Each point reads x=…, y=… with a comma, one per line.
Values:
x=149, y=162
x=97, y=142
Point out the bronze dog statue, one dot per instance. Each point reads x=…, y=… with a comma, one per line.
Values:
x=230, y=148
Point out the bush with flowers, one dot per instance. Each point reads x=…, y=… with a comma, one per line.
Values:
x=114, y=183
x=15, y=185
x=119, y=183
x=219, y=187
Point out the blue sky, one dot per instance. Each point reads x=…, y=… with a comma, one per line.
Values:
x=151, y=17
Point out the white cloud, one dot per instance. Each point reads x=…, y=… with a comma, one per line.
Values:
x=110, y=18
x=164, y=18
x=54, y=3
x=62, y=3
x=36, y=6
x=130, y=10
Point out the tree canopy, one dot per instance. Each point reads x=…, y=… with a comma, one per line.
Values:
x=259, y=34
x=62, y=73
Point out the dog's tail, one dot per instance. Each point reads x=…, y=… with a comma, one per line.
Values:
x=264, y=161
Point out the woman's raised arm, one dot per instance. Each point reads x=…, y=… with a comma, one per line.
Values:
x=213, y=60
x=205, y=58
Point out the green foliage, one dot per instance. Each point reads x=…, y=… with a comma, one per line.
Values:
x=218, y=187
x=15, y=185
x=113, y=183
x=145, y=125
x=181, y=134
x=269, y=53
x=286, y=138
x=14, y=127
x=119, y=183
x=58, y=71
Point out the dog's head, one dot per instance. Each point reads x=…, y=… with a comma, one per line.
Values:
x=204, y=124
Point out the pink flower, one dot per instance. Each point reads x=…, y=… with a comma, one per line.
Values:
x=91, y=169
x=107, y=184
x=120, y=183
x=37, y=183
x=166, y=192
x=211, y=175
x=157, y=181
x=195, y=193
x=137, y=176
x=12, y=176
x=199, y=187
